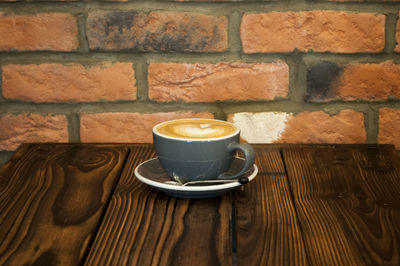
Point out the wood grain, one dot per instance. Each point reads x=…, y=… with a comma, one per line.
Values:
x=52, y=197
x=347, y=200
x=266, y=222
x=66, y=204
x=146, y=227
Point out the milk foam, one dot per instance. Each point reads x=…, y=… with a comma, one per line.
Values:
x=199, y=131
x=196, y=128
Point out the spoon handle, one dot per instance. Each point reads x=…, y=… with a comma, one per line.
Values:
x=241, y=180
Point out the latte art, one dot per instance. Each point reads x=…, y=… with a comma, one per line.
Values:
x=196, y=128
x=200, y=131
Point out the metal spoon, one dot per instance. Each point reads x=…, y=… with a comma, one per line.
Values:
x=176, y=182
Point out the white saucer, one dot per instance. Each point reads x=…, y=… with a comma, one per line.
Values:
x=151, y=173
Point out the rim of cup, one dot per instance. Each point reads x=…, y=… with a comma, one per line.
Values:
x=237, y=131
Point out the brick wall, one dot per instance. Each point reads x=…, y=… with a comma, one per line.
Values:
x=285, y=71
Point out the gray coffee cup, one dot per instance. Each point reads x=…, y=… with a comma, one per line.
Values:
x=191, y=159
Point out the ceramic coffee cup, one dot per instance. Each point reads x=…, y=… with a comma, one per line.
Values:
x=200, y=149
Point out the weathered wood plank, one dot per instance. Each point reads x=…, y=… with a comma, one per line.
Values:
x=52, y=197
x=267, y=227
x=348, y=203
x=146, y=227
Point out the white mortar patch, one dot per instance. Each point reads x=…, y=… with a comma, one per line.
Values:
x=264, y=127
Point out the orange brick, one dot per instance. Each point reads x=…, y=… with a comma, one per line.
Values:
x=43, y=31
x=327, y=81
x=318, y=127
x=397, y=49
x=16, y=129
x=306, y=127
x=389, y=127
x=69, y=83
x=126, y=127
x=157, y=31
x=319, y=31
x=214, y=0
x=217, y=82
x=37, y=1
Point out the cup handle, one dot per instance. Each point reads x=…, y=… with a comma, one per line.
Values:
x=249, y=156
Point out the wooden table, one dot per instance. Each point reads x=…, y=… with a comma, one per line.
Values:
x=69, y=204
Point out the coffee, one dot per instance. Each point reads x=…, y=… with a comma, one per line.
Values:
x=199, y=149
x=196, y=128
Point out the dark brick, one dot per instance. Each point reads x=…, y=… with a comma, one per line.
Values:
x=353, y=82
x=321, y=81
x=156, y=31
